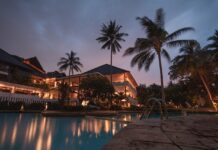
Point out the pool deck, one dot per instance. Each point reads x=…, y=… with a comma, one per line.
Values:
x=189, y=133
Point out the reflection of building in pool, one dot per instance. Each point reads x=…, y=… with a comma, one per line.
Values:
x=42, y=133
x=27, y=76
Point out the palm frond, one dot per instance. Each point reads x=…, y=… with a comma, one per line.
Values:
x=179, y=32
x=159, y=20
x=142, y=59
x=130, y=51
x=179, y=43
x=70, y=62
x=111, y=36
x=166, y=55
x=149, y=61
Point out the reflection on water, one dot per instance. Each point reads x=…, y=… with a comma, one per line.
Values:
x=32, y=131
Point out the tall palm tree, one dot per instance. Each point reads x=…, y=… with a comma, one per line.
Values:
x=155, y=42
x=194, y=61
x=110, y=38
x=70, y=62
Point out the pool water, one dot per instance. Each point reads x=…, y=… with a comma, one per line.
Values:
x=34, y=132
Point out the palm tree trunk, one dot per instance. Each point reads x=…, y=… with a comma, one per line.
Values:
x=69, y=84
x=207, y=90
x=111, y=66
x=69, y=76
x=161, y=78
x=111, y=77
x=162, y=87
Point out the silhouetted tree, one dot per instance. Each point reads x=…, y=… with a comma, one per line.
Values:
x=155, y=42
x=111, y=38
x=195, y=62
x=96, y=88
x=70, y=62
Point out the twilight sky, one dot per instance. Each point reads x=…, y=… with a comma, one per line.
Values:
x=50, y=28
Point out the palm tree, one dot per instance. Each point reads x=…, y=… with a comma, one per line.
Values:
x=214, y=40
x=110, y=38
x=70, y=62
x=145, y=49
x=194, y=61
x=213, y=46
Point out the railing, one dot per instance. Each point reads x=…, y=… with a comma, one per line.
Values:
x=12, y=97
x=150, y=105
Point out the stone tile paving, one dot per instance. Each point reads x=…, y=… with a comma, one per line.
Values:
x=186, y=133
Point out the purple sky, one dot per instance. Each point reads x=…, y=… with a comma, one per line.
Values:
x=50, y=28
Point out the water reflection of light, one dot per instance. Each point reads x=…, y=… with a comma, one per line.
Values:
x=66, y=140
x=38, y=132
x=78, y=132
x=39, y=144
x=31, y=131
x=44, y=139
x=106, y=126
x=95, y=126
x=14, y=134
x=4, y=132
x=49, y=140
x=113, y=128
x=20, y=117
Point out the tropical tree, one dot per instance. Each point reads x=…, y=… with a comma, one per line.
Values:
x=111, y=38
x=144, y=93
x=214, y=41
x=155, y=43
x=64, y=91
x=70, y=62
x=96, y=88
x=213, y=47
x=180, y=93
x=194, y=61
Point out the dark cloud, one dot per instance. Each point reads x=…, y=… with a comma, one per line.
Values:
x=48, y=29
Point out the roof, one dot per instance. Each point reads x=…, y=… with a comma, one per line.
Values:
x=32, y=69
x=55, y=74
x=10, y=59
x=35, y=62
x=106, y=69
x=19, y=62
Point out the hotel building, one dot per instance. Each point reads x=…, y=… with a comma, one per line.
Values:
x=27, y=76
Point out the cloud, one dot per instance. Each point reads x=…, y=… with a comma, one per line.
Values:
x=48, y=29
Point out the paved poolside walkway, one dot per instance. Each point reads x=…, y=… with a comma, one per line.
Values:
x=188, y=133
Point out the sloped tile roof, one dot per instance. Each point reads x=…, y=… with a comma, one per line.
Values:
x=34, y=61
x=106, y=69
x=10, y=59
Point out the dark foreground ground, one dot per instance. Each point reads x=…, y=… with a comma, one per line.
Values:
x=194, y=132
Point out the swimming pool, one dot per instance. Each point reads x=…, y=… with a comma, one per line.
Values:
x=31, y=131
x=34, y=132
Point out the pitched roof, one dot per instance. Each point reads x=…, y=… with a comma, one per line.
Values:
x=32, y=70
x=10, y=59
x=17, y=61
x=35, y=62
x=106, y=69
